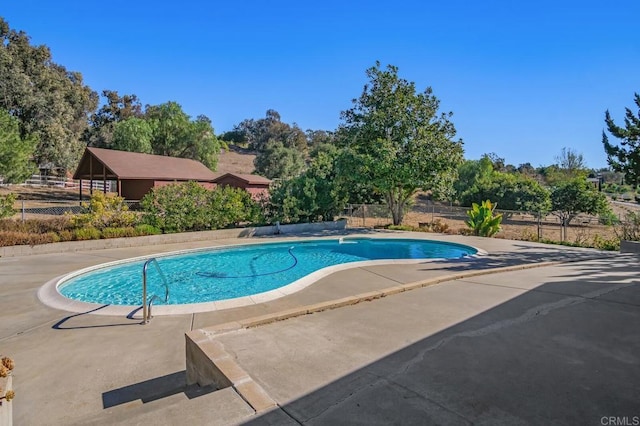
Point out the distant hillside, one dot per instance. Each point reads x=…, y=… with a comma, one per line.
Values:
x=235, y=160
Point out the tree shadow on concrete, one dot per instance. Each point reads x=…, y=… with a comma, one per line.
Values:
x=561, y=353
x=524, y=255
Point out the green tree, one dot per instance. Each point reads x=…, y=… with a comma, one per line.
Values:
x=258, y=133
x=626, y=156
x=576, y=196
x=102, y=123
x=509, y=191
x=395, y=140
x=133, y=134
x=569, y=165
x=317, y=194
x=526, y=169
x=320, y=137
x=16, y=152
x=175, y=135
x=471, y=172
x=278, y=161
x=50, y=102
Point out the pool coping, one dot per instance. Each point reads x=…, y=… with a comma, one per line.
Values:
x=49, y=295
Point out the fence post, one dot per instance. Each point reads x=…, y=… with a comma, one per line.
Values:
x=22, y=211
x=539, y=226
x=363, y=215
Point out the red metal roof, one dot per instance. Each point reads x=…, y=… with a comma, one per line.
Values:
x=135, y=165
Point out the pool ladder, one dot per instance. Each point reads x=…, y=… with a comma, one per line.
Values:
x=146, y=308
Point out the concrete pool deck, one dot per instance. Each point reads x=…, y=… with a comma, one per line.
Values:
x=552, y=344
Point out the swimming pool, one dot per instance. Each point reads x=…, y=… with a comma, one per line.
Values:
x=236, y=272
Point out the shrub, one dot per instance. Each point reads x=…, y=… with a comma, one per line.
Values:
x=128, y=231
x=57, y=224
x=104, y=210
x=144, y=229
x=86, y=233
x=528, y=235
x=437, y=226
x=16, y=238
x=190, y=207
x=612, y=244
x=176, y=208
x=482, y=221
x=608, y=218
x=6, y=205
x=38, y=226
x=401, y=228
x=231, y=206
x=629, y=228
x=65, y=235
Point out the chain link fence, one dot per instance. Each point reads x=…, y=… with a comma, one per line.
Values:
x=43, y=209
x=515, y=224
x=450, y=219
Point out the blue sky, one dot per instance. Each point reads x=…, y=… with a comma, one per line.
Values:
x=523, y=79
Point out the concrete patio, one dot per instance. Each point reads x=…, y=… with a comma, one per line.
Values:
x=553, y=341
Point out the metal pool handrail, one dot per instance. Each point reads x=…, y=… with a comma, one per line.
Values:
x=146, y=309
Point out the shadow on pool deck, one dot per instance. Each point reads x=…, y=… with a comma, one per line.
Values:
x=566, y=352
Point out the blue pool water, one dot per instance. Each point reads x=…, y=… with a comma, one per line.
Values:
x=226, y=273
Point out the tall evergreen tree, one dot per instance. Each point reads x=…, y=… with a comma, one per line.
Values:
x=626, y=156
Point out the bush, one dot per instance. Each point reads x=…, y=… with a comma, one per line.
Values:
x=128, y=231
x=6, y=205
x=612, y=244
x=401, y=228
x=104, y=211
x=17, y=238
x=65, y=235
x=608, y=218
x=87, y=233
x=482, y=221
x=437, y=226
x=144, y=229
x=37, y=226
x=176, y=208
x=629, y=228
x=190, y=207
